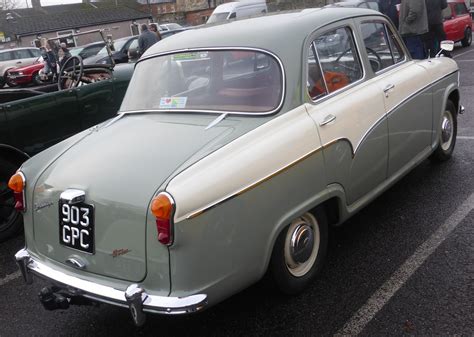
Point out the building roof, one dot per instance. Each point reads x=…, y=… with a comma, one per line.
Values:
x=29, y=21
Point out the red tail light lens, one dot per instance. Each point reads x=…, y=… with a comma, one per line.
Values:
x=17, y=184
x=162, y=207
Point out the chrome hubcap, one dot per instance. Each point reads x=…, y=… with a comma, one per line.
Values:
x=446, y=130
x=302, y=245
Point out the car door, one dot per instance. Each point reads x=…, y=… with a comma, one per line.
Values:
x=449, y=23
x=96, y=102
x=39, y=122
x=407, y=101
x=349, y=111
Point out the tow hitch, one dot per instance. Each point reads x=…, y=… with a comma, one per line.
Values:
x=53, y=298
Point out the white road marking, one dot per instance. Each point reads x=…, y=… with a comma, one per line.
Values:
x=466, y=52
x=465, y=137
x=10, y=277
x=378, y=300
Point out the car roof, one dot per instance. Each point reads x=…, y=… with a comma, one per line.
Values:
x=276, y=32
x=19, y=48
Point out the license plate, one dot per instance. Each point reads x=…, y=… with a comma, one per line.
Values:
x=76, y=226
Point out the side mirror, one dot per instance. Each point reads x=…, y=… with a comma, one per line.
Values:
x=447, y=45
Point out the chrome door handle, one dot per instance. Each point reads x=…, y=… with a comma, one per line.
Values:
x=328, y=119
x=387, y=88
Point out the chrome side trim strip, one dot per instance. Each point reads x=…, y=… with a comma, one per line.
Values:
x=101, y=293
x=253, y=185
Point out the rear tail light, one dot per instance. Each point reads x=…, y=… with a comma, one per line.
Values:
x=162, y=207
x=17, y=184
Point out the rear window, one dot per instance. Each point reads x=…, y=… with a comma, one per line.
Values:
x=229, y=81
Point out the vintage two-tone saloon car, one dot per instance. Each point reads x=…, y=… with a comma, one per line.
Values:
x=234, y=149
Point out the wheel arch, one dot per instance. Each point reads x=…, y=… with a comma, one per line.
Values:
x=331, y=201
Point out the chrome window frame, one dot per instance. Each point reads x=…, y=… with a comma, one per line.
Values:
x=397, y=38
x=219, y=112
x=351, y=26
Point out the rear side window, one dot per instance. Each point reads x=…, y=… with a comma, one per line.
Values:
x=333, y=63
x=381, y=46
x=6, y=56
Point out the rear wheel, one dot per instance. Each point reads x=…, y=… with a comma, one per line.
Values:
x=299, y=252
x=466, y=42
x=11, y=222
x=447, y=134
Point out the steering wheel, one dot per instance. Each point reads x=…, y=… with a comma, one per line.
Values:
x=71, y=73
x=375, y=64
x=342, y=64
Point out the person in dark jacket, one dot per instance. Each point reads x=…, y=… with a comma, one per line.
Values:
x=389, y=8
x=146, y=40
x=436, y=32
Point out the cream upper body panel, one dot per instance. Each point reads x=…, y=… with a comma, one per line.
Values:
x=244, y=163
x=438, y=67
x=356, y=110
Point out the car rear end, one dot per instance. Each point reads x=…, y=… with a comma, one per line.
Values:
x=93, y=235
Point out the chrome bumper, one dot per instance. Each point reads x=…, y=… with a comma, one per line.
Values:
x=135, y=297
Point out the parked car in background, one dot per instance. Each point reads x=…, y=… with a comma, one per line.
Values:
x=170, y=26
x=230, y=156
x=458, y=22
x=25, y=75
x=357, y=3
x=87, y=50
x=18, y=57
x=119, y=53
x=133, y=48
x=237, y=10
x=32, y=120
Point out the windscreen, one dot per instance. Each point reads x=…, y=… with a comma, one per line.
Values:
x=235, y=81
x=218, y=17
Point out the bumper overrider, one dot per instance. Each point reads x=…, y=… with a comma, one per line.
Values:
x=68, y=290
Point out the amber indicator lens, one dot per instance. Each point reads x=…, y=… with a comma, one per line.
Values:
x=161, y=206
x=17, y=183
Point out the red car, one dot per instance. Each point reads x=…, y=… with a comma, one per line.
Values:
x=458, y=22
x=25, y=75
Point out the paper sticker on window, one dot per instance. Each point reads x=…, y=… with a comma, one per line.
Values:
x=173, y=102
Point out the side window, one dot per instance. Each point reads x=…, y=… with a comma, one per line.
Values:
x=461, y=9
x=333, y=62
x=447, y=13
x=35, y=52
x=381, y=45
x=22, y=54
x=6, y=56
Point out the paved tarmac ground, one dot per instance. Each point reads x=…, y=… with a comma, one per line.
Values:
x=403, y=266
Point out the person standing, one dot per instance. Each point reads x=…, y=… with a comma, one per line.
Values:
x=413, y=24
x=436, y=32
x=156, y=31
x=146, y=40
x=389, y=8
